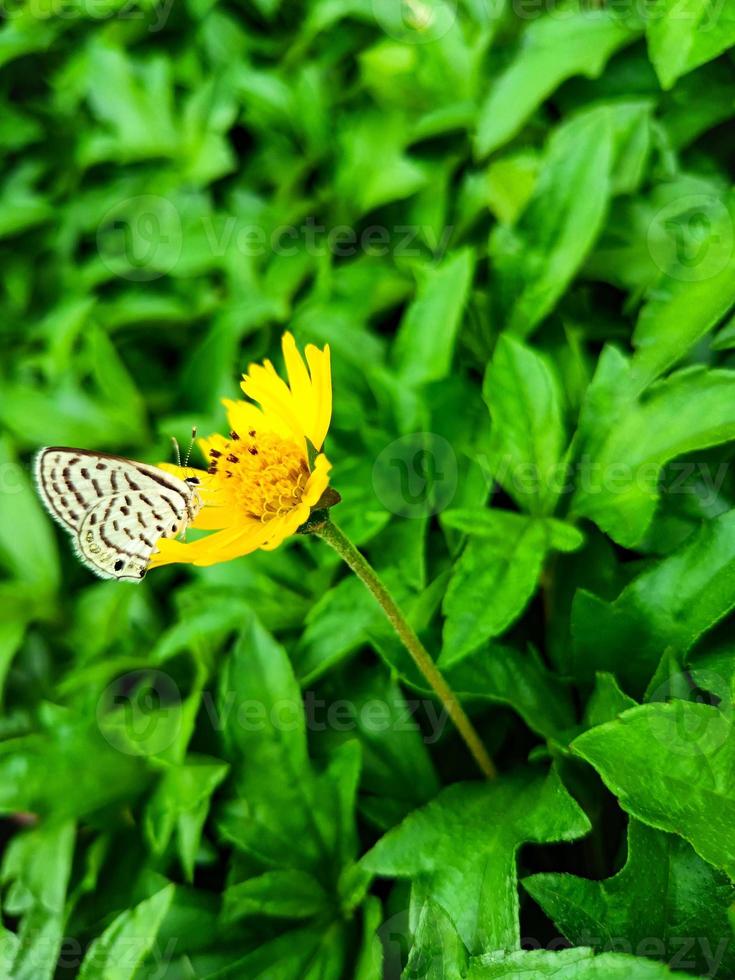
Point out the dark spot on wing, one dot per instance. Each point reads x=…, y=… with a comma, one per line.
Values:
x=119, y=565
x=85, y=472
x=168, y=503
x=66, y=474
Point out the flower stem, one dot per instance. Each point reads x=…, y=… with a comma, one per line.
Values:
x=330, y=533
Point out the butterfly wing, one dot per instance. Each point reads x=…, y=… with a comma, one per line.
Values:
x=115, y=509
x=119, y=534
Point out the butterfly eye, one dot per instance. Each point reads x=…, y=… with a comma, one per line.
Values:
x=194, y=480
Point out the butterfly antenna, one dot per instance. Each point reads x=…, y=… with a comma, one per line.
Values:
x=191, y=445
x=176, y=450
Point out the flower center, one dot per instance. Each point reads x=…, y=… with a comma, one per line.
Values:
x=262, y=474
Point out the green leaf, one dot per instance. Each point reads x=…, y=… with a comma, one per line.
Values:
x=663, y=893
x=437, y=952
x=306, y=954
x=180, y=805
x=625, y=439
x=261, y=708
x=606, y=702
x=698, y=285
x=35, y=872
x=682, y=36
x=496, y=574
x=552, y=49
x=528, y=438
x=284, y=894
x=286, y=816
x=509, y=184
x=502, y=675
x=21, y=205
x=490, y=586
x=124, y=945
x=337, y=623
x=571, y=964
x=134, y=99
x=397, y=772
x=670, y=766
x=12, y=631
x=31, y=557
x=463, y=847
x=534, y=261
x=669, y=605
x=495, y=525
x=424, y=345
x=373, y=167
x=369, y=965
x=66, y=768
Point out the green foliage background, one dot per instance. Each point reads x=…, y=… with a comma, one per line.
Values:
x=514, y=225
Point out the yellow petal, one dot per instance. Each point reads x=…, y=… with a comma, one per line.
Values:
x=305, y=407
x=283, y=527
x=263, y=385
x=221, y=546
x=321, y=376
x=298, y=378
x=244, y=417
x=317, y=482
x=215, y=441
x=212, y=518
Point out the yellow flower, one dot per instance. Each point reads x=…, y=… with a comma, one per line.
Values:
x=261, y=486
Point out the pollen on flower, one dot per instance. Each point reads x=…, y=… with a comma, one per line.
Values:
x=265, y=482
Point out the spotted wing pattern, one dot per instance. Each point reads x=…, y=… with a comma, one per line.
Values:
x=115, y=509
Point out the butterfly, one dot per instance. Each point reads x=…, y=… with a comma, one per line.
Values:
x=115, y=509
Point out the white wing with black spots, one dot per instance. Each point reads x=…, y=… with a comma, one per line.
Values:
x=115, y=509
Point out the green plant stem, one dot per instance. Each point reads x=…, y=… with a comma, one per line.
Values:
x=334, y=537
